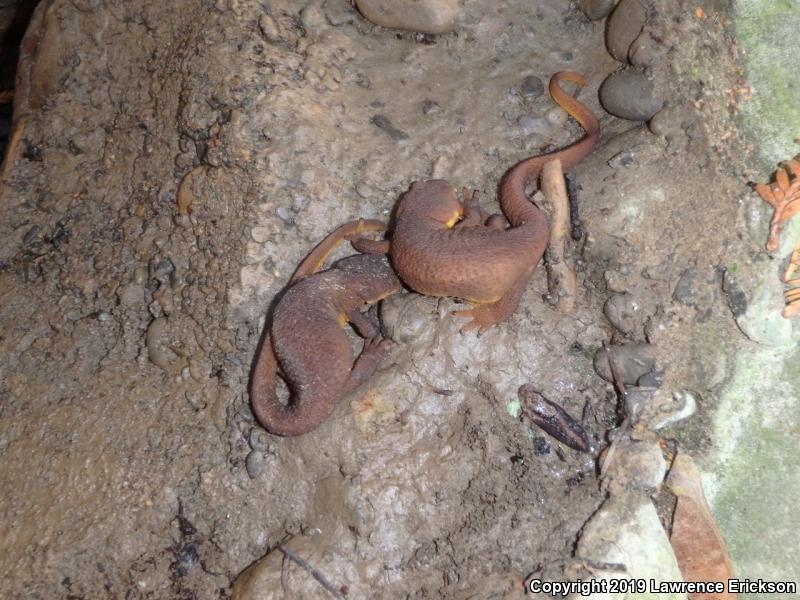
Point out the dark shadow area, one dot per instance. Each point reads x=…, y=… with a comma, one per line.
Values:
x=14, y=18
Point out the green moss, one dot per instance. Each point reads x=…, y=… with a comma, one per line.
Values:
x=767, y=30
x=514, y=408
x=758, y=435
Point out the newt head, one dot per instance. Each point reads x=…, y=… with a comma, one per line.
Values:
x=435, y=200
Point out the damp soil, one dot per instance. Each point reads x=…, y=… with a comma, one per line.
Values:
x=173, y=162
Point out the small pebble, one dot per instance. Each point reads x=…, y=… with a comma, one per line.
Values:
x=624, y=312
x=540, y=446
x=269, y=28
x=645, y=465
x=339, y=13
x=300, y=202
x=629, y=94
x=30, y=235
x=409, y=318
x=254, y=463
x=284, y=215
x=532, y=87
x=161, y=269
x=737, y=299
x=624, y=26
x=260, y=235
x=431, y=107
x=313, y=20
x=685, y=288
x=646, y=51
x=557, y=116
x=365, y=190
x=259, y=439
x=653, y=379
x=638, y=399
x=632, y=361
x=622, y=160
x=424, y=16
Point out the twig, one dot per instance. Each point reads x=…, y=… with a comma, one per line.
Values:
x=574, y=218
x=615, y=376
x=627, y=422
x=321, y=579
x=560, y=277
x=6, y=96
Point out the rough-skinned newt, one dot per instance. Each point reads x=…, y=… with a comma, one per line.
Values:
x=307, y=339
x=441, y=246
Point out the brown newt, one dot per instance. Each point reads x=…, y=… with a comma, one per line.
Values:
x=442, y=246
x=307, y=339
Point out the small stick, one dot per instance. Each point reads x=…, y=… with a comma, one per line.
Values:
x=560, y=277
x=574, y=217
x=612, y=366
x=323, y=581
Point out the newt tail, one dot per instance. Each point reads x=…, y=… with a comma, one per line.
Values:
x=515, y=204
x=350, y=230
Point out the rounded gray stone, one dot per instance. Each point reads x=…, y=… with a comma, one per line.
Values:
x=633, y=361
x=629, y=94
x=254, y=463
x=531, y=87
x=624, y=26
x=596, y=9
x=425, y=16
x=624, y=312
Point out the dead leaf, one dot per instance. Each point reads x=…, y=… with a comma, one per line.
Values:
x=696, y=540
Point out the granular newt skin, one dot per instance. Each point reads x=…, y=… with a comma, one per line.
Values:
x=442, y=246
x=308, y=341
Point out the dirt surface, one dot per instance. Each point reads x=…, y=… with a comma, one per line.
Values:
x=172, y=164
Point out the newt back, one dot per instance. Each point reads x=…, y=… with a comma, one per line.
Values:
x=485, y=265
x=309, y=343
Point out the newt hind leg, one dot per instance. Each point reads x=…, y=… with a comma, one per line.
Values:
x=483, y=316
x=367, y=362
x=472, y=215
x=475, y=216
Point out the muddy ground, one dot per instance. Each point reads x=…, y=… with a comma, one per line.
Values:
x=172, y=163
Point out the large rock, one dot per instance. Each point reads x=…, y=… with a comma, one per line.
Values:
x=425, y=16
x=624, y=25
x=629, y=94
x=596, y=9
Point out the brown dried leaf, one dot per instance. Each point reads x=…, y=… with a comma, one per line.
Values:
x=696, y=540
